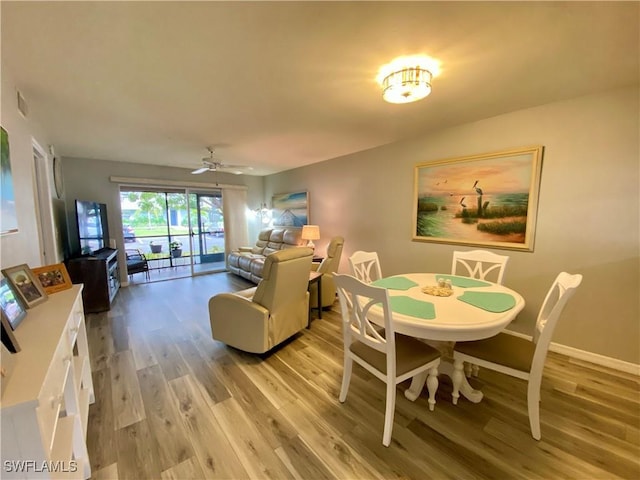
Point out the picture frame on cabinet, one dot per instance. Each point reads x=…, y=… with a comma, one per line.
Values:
x=11, y=306
x=25, y=285
x=6, y=367
x=53, y=278
x=8, y=338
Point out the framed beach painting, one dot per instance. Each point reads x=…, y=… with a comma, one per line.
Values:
x=488, y=200
x=290, y=209
x=8, y=218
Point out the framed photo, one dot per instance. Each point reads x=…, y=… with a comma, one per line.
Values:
x=7, y=361
x=25, y=285
x=53, y=278
x=8, y=338
x=489, y=200
x=11, y=307
x=290, y=209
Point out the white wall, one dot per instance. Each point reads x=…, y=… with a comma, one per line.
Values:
x=588, y=216
x=23, y=246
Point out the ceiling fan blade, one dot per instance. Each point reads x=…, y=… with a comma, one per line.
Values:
x=237, y=167
x=200, y=170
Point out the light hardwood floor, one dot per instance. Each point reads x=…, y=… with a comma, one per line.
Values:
x=172, y=403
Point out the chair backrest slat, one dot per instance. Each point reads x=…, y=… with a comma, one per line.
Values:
x=356, y=300
x=365, y=266
x=561, y=291
x=479, y=264
x=557, y=297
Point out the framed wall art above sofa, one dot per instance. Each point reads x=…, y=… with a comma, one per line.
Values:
x=290, y=209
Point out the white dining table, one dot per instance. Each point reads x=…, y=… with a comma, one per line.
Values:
x=452, y=318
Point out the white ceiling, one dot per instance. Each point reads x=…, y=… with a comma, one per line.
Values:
x=279, y=85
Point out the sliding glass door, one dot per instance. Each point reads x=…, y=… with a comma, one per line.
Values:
x=181, y=233
x=207, y=231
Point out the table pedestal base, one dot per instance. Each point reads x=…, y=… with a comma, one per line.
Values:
x=446, y=368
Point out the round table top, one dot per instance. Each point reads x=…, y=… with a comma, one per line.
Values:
x=455, y=320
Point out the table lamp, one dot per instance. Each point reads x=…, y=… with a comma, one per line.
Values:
x=310, y=233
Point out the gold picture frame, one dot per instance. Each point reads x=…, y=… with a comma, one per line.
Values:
x=488, y=200
x=53, y=278
x=25, y=285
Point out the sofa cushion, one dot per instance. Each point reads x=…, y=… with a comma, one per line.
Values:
x=248, y=262
x=292, y=238
x=257, y=266
x=277, y=236
x=245, y=261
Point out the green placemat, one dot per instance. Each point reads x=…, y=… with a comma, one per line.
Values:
x=464, y=282
x=395, y=283
x=411, y=306
x=491, y=301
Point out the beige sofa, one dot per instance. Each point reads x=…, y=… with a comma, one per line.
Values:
x=258, y=319
x=248, y=262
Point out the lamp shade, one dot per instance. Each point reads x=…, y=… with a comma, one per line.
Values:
x=310, y=232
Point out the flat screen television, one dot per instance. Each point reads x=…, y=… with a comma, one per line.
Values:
x=93, y=229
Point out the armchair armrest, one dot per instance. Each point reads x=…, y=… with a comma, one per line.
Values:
x=239, y=322
x=244, y=249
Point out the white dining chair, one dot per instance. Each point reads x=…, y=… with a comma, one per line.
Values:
x=480, y=264
x=365, y=266
x=390, y=357
x=517, y=356
x=483, y=265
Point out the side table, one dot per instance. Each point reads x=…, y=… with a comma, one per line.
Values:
x=314, y=277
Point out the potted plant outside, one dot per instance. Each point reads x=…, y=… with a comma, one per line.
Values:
x=176, y=249
x=155, y=247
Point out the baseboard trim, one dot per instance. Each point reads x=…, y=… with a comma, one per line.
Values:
x=596, y=358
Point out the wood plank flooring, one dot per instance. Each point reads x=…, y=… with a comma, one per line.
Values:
x=172, y=403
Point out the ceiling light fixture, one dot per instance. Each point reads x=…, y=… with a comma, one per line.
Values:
x=407, y=79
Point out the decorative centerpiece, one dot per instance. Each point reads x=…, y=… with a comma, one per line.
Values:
x=443, y=289
x=437, y=291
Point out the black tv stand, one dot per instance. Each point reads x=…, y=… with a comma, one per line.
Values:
x=101, y=277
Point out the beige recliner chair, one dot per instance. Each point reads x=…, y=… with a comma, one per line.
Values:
x=258, y=319
x=328, y=267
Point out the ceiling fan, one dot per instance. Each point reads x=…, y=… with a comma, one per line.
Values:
x=210, y=164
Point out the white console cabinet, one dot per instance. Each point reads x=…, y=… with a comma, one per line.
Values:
x=45, y=404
